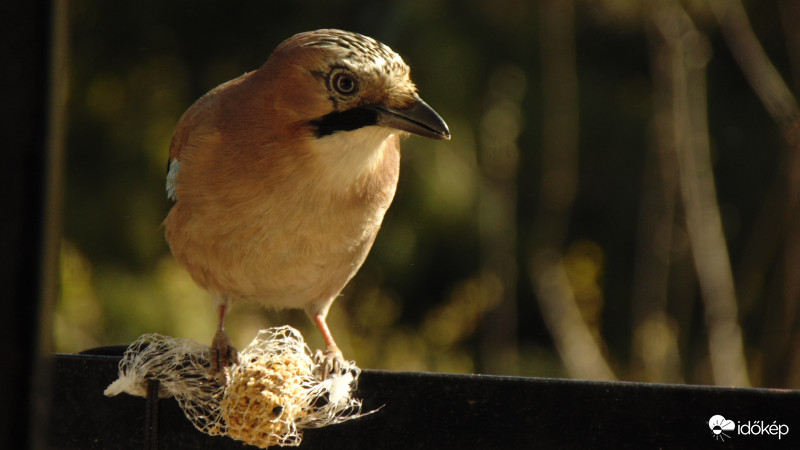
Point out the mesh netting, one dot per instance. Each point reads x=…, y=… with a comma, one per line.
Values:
x=274, y=391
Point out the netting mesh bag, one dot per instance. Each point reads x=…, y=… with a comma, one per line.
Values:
x=273, y=393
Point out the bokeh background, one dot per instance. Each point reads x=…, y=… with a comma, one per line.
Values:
x=619, y=199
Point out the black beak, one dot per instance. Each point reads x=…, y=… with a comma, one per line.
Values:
x=419, y=118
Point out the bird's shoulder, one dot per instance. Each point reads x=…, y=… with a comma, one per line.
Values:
x=203, y=119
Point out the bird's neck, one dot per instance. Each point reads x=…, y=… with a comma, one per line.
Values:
x=352, y=159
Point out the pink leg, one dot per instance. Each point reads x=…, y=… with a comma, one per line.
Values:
x=223, y=353
x=222, y=311
x=332, y=348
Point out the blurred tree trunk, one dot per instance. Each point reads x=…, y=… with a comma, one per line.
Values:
x=580, y=352
x=656, y=356
x=501, y=125
x=781, y=337
x=690, y=54
x=791, y=18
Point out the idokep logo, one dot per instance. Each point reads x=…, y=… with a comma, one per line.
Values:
x=719, y=425
x=722, y=428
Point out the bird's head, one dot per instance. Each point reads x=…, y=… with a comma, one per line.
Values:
x=335, y=81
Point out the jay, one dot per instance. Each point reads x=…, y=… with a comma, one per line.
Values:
x=281, y=177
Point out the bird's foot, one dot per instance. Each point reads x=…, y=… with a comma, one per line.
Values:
x=223, y=353
x=330, y=362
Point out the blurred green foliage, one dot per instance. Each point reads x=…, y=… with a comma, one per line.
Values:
x=420, y=299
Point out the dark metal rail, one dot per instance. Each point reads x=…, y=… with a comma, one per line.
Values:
x=443, y=411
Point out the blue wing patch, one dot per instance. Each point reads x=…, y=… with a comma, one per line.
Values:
x=172, y=179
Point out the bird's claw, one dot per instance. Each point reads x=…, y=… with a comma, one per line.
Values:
x=329, y=363
x=222, y=353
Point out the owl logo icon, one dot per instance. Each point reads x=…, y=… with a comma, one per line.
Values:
x=719, y=425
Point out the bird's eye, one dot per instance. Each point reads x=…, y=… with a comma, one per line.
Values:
x=344, y=83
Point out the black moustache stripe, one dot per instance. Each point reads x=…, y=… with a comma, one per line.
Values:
x=349, y=120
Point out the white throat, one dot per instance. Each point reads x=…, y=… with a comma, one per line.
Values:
x=351, y=155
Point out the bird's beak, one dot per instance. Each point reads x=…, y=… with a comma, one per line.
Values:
x=418, y=118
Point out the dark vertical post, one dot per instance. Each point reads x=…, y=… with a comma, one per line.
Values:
x=151, y=417
x=31, y=126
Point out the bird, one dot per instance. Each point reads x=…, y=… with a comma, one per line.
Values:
x=280, y=178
